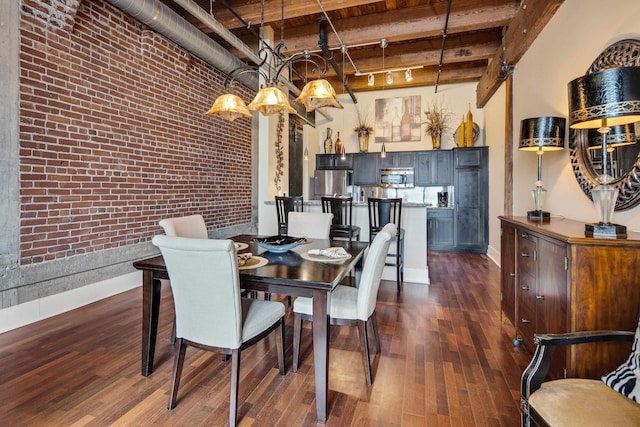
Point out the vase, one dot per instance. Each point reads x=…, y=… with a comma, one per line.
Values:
x=363, y=141
x=338, y=144
x=435, y=140
x=328, y=142
x=468, y=134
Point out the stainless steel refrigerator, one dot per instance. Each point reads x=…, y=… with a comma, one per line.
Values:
x=332, y=182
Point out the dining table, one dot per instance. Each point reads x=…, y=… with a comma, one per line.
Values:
x=293, y=273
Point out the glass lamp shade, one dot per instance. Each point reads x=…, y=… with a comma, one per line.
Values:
x=612, y=94
x=271, y=100
x=318, y=94
x=229, y=107
x=542, y=133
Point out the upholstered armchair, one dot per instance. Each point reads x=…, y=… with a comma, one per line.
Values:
x=612, y=401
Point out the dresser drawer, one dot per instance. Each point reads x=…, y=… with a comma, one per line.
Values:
x=526, y=325
x=527, y=291
x=526, y=254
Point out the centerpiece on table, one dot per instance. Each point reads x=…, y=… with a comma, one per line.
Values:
x=437, y=121
x=363, y=129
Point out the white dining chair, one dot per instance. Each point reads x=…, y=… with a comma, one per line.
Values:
x=352, y=306
x=185, y=226
x=211, y=315
x=312, y=225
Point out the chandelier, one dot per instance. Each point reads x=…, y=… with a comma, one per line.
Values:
x=270, y=99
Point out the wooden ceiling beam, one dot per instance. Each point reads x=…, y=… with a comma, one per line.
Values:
x=526, y=25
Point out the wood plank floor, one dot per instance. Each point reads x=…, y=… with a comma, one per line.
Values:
x=446, y=361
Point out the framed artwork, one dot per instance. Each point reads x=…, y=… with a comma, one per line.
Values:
x=398, y=119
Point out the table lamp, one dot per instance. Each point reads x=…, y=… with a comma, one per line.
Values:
x=541, y=134
x=598, y=100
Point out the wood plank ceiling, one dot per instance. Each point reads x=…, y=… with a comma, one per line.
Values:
x=476, y=36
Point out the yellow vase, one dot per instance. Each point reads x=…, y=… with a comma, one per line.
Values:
x=461, y=131
x=468, y=134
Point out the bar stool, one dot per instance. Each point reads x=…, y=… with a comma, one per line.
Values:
x=381, y=213
x=342, y=226
x=284, y=205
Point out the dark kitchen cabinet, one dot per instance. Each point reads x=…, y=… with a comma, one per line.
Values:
x=366, y=169
x=433, y=167
x=471, y=182
x=333, y=161
x=400, y=159
x=440, y=229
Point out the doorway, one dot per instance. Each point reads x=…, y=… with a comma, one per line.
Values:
x=296, y=156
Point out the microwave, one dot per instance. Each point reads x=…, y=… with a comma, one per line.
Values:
x=397, y=178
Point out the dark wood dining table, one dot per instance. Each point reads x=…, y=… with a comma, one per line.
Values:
x=285, y=273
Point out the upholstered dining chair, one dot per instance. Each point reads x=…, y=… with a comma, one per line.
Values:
x=382, y=212
x=211, y=315
x=192, y=226
x=284, y=205
x=312, y=225
x=342, y=209
x=352, y=306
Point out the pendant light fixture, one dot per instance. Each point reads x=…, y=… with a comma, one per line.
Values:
x=271, y=99
x=383, y=45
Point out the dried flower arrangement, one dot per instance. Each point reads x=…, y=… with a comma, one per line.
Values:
x=279, y=152
x=362, y=122
x=437, y=119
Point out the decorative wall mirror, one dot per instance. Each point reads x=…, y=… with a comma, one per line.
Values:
x=624, y=140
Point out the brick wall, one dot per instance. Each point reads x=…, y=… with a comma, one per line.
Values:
x=113, y=136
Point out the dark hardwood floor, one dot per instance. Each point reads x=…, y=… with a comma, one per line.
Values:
x=446, y=361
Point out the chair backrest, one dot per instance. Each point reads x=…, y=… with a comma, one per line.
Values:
x=383, y=212
x=192, y=226
x=341, y=208
x=313, y=225
x=206, y=289
x=372, y=271
x=284, y=205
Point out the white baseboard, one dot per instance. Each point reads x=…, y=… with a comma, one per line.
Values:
x=30, y=312
x=494, y=255
x=411, y=275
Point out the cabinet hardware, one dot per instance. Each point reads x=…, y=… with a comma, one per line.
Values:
x=525, y=321
x=524, y=254
x=524, y=235
x=524, y=288
x=540, y=297
x=566, y=263
x=512, y=274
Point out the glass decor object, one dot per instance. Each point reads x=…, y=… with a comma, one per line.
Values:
x=541, y=134
x=338, y=144
x=328, y=142
x=599, y=100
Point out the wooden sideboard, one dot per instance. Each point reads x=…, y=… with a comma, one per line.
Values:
x=554, y=280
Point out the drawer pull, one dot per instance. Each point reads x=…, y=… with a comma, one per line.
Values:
x=524, y=254
x=512, y=274
x=540, y=297
x=525, y=320
x=525, y=288
x=524, y=235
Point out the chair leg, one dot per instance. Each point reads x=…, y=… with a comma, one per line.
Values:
x=297, y=332
x=235, y=381
x=280, y=346
x=177, y=372
x=399, y=263
x=374, y=328
x=364, y=343
x=173, y=331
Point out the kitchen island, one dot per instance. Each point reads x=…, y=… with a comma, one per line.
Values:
x=414, y=220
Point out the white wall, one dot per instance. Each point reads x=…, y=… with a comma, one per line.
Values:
x=576, y=35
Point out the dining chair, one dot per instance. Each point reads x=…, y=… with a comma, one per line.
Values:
x=382, y=212
x=185, y=226
x=352, y=306
x=211, y=314
x=284, y=205
x=312, y=225
x=342, y=226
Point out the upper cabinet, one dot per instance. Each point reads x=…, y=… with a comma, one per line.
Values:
x=366, y=169
x=433, y=167
x=334, y=161
x=400, y=159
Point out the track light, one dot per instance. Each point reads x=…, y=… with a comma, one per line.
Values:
x=408, y=76
x=389, y=78
x=383, y=152
x=343, y=154
x=371, y=80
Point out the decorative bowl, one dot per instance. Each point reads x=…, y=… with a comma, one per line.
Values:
x=278, y=244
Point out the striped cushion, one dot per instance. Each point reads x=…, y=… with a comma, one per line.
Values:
x=625, y=379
